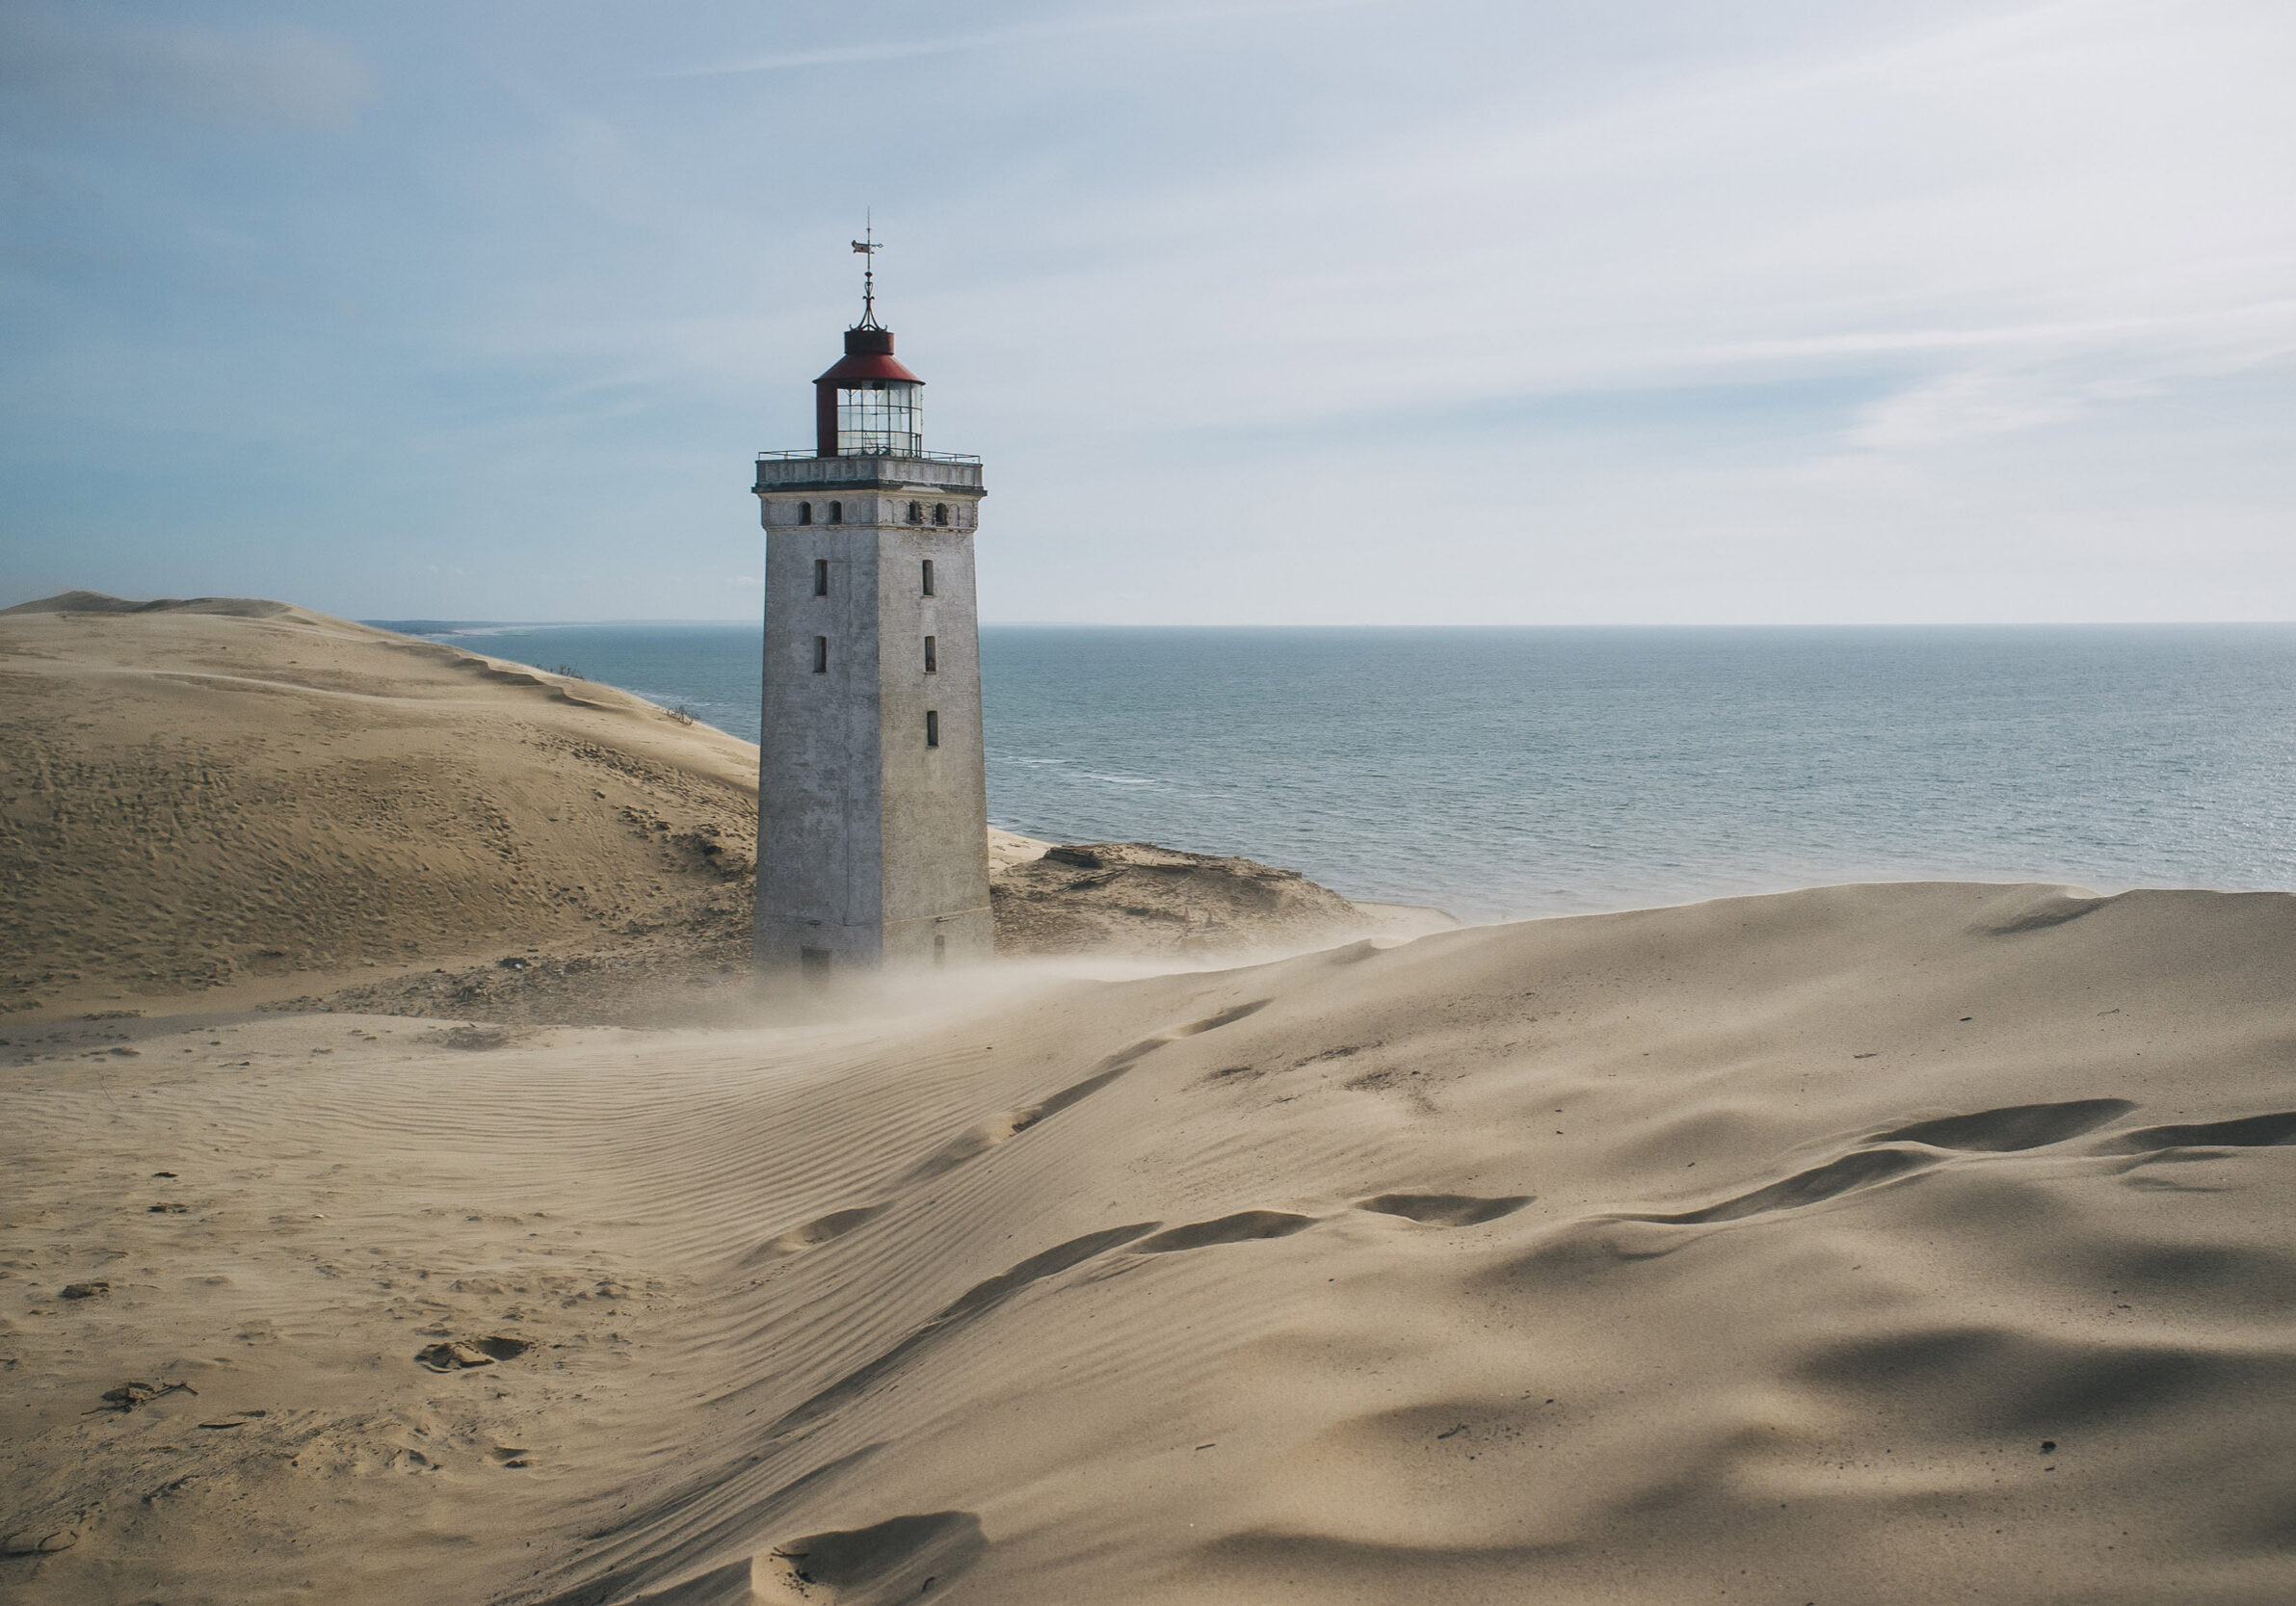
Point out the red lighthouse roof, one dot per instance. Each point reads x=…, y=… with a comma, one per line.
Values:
x=868, y=355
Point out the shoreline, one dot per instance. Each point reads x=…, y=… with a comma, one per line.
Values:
x=234, y=803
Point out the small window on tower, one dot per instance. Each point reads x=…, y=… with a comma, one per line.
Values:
x=933, y=727
x=916, y=512
x=836, y=513
x=931, y=656
x=940, y=513
x=928, y=576
x=805, y=513
x=821, y=655
x=821, y=577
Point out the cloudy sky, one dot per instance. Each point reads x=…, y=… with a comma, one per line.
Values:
x=1282, y=311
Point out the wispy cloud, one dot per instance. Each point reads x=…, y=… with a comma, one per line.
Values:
x=1960, y=406
x=1786, y=302
x=2242, y=333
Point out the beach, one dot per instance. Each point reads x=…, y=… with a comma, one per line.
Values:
x=1888, y=1243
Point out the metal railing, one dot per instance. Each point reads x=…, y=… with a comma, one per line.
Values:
x=915, y=456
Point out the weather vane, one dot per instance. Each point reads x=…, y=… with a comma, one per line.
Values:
x=868, y=245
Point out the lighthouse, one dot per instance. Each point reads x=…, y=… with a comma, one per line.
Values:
x=872, y=796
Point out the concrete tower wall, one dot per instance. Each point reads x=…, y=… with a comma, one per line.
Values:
x=933, y=825
x=818, y=880
x=871, y=843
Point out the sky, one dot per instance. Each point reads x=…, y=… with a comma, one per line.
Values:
x=1269, y=311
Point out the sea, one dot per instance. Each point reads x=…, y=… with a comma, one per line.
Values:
x=1506, y=774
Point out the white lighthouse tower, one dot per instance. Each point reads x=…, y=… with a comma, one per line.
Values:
x=872, y=798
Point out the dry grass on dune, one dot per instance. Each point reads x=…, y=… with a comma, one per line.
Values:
x=1874, y=1245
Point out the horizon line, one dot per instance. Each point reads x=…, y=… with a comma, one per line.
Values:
x=1671, y=625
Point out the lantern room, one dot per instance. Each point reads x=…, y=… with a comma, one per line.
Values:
x=868, y=406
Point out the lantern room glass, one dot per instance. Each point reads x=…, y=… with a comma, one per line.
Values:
x=886, y=418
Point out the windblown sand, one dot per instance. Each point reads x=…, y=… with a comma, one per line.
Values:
x=1889, y=1244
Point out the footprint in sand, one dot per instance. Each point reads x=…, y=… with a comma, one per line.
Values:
x=903, y=1559
x=970, y=1143
x=1211, y=1023
x=1242, y=1227
x=2012, y=1127
x=1839, y=1176
x=2241, y=1132
x=814, y=1233
x=1445, y=1209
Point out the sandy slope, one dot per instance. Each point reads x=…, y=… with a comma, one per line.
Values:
x=1097, y=896
x=232, y=802
x=225, y=803
x=1896, y=1244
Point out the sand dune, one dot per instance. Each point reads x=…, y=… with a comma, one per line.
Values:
x=1137, y=898
x=1890, y=1244
x=236, y=801
x=230, y=802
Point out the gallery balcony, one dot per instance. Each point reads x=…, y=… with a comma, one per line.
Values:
x=859, y=472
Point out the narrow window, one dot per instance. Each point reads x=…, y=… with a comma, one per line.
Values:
x=940, y=949
x=821, y=577
x=916, y=512
x=805, y=513
x=932, y=727
x=821, y=655
x=928, y=576
x=932, y=657
x=940, y=513
x=836, y=513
